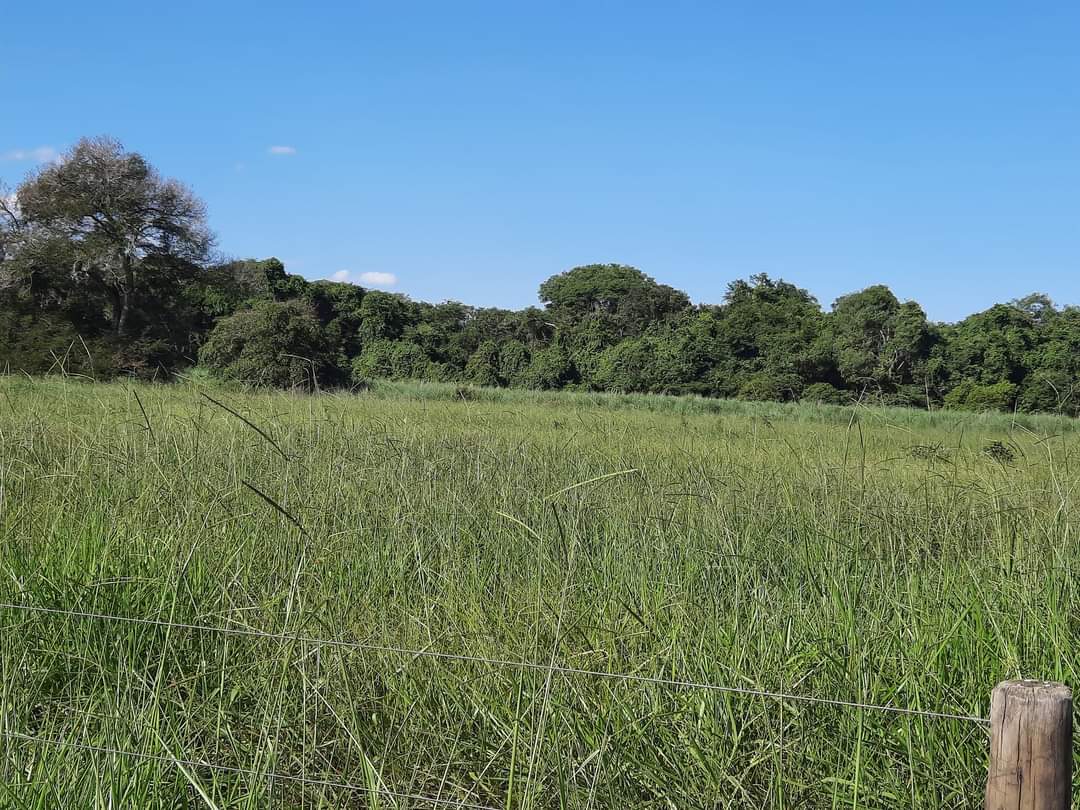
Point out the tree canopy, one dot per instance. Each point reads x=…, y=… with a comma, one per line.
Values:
x=107, y=268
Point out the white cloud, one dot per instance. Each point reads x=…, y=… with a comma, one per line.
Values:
x=368, y=279
x=375, y=279
x=39, y=154
x=281, y=150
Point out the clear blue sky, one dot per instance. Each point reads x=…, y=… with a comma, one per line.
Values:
x=472, y=150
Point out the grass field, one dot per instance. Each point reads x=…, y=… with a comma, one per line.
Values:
x=872, y=556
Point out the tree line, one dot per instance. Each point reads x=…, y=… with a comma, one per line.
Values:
x=107, y=268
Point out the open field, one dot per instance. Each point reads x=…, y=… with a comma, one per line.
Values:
x=871, y=556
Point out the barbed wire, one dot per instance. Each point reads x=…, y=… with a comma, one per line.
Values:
x=274, y=775
x=502, y=662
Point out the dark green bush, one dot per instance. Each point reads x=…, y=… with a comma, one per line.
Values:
x=275, y=344
x=972, y=396
x=826, y=394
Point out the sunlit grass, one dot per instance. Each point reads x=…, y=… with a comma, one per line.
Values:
x=878, y=556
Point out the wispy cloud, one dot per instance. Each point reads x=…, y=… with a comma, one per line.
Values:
x=39, y=154
x=376, y=279
x=368, y=279
x=281, y=150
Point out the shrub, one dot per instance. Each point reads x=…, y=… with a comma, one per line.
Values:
x=549, y=368
x=392, y=360
x=825, y=393
x=483, y=366
x=513, y=360
x=972, y=396
x=771, y=386
x=627, y=367
x=275, y=344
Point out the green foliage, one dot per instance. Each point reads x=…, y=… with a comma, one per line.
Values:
x=776, y=386
x=549, y=368
x=274, y=344
x=879, y=343
x=621, y=298
x=483, y=366
x=383, y=316
x=513, y=362
x=825, y=394
x=991, y=346
x=105, y=270
x=647, y=364
x=392, y=360
x=769, y=328
x=40, y=345
x=974, y=396
x=1053, y=383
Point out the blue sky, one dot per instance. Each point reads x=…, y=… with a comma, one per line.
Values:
x=471, y=150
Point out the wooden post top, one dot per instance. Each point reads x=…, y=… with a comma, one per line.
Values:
x=1030, y=746
x=1051, y=686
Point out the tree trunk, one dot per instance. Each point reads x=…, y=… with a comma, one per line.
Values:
x=125, y=296
x=117, y=302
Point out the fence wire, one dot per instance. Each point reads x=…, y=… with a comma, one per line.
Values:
x=503, y=663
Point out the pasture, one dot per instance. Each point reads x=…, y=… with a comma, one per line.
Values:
x=416, y=596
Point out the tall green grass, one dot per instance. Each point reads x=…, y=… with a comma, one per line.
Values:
x=870, y=555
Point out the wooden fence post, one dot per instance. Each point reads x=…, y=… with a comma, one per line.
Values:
x=1030, y=747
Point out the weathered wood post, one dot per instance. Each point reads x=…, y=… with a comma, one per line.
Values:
x=1030, y=747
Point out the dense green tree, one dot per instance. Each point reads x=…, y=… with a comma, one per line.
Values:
x=483, y=366
x=383, y=316
x=824, y=393
x=991, y=347
x=393, y=360
x=513, y=362
x=549, y=368
x=623, y=297
x=1052, y=381
x=339, y=308
x=764, y=337
x=649, y=364
x=771, y=385
x=274, y=343
x=441, y=330
x=223, y=288
x=879, y=343
x=974, y=396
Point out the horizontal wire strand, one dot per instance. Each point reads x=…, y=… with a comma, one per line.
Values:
x=244, y=771
x=506, y=663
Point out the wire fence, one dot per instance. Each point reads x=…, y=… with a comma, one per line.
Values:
x=501, y=662
x=411, y=653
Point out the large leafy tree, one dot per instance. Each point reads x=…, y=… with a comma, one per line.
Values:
x=627, y=298
x=879, y=342
x=126, y=227
x=383, y=316
x=1052, y=382
x=991, y=346
x=766, y=337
